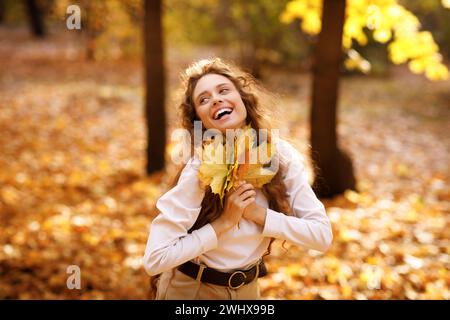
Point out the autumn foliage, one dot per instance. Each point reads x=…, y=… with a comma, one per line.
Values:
x=388, y=21
x=73, y=189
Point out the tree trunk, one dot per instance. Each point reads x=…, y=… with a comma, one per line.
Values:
x=155, y=95
x=333, y=168
x=2, y=11
x=35, y=16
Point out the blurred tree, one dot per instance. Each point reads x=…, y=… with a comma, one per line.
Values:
x=112, y=28
x=434, y=15
x=333, y=166
x=155, y=86
x=2, y=10
x=93, y=25
x=339, y=25
x=248, y=31
x=36, y=20
x=255, y=39
x=388, y=21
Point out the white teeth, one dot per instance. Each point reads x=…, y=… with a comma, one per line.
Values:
x=220, y=111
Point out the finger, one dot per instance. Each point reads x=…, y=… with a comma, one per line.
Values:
x=236, y=186
x=244, y=185
x=246, y=194
x=244, y=188
x=247, y=202
x=242, y=204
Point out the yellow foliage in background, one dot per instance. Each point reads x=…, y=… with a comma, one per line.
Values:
x=388, y=21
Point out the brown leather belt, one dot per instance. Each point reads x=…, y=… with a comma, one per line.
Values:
x=232, y=280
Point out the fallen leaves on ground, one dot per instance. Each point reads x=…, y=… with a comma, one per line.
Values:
x=73, y=189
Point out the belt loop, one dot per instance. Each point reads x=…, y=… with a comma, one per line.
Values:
x=257, y=269
x=200, y=272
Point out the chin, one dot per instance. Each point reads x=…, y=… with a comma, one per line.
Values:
x=230, y=126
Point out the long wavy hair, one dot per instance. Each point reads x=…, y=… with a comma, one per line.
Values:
x=258, y=103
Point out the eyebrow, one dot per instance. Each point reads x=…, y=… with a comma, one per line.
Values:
x=201, y=93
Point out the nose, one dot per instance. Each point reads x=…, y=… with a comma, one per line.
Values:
x=216, y=101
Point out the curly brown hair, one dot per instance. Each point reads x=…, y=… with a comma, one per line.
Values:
x=258, y=103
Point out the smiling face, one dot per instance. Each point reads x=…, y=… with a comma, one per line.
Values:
x=218, y=103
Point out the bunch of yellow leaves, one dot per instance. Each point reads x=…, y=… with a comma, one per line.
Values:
x=246, y=161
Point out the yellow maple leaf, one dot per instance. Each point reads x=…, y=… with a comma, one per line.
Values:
x=213, y=169
x=250, y=163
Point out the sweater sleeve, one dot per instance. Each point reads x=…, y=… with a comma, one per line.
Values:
x=169, y=243
x=310, y=227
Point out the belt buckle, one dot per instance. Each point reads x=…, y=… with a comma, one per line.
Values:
x=231, y=277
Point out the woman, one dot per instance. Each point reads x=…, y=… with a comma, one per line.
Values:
x=198, y=249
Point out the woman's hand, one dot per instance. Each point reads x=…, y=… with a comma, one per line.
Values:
x=236, y=200
x=255, y=213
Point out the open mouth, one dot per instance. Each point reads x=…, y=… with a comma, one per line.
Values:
x=222, y=112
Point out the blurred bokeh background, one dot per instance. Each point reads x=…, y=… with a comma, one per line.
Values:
x=86, y=115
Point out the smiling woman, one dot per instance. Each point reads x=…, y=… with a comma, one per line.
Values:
x=202, y=248
x=218, y=103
